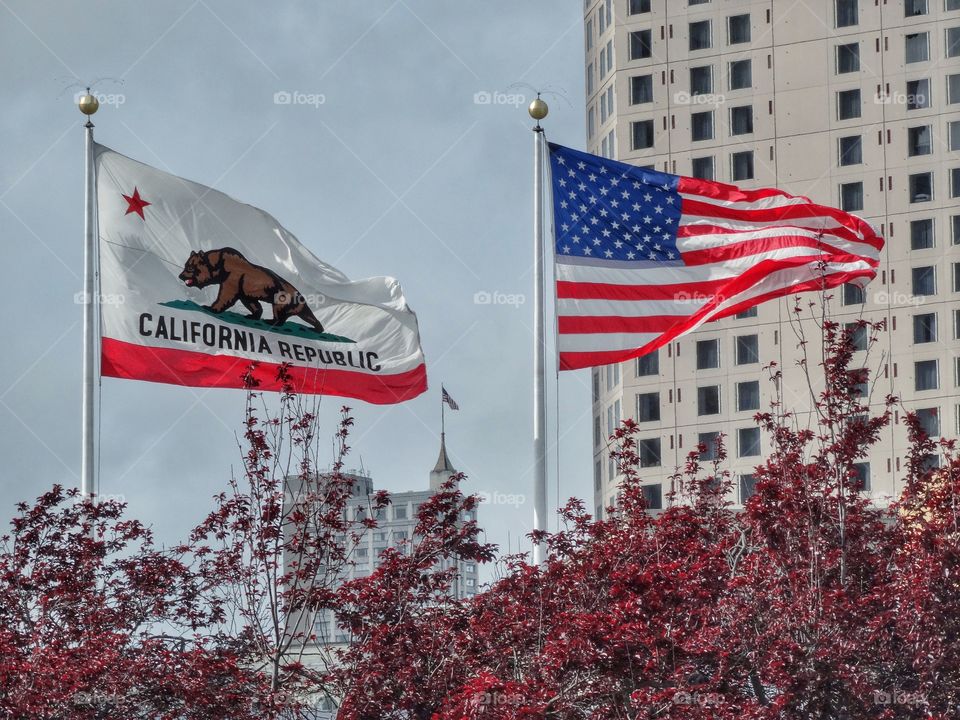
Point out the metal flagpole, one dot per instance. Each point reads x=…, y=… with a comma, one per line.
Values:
x=442, y=403
x=88, y=105
x=538, y=110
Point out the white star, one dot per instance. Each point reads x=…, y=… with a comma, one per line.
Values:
x=571, y=173
x=636, y=207
x=657, y=247
x=648, y=197
x=596, y=241
x=653, y=256
x=603, y=212
x=604, y=191
x=572, y=195
x=625, y=195
x=582, y=165
x=585, y=230
x=606, y=233
x=592, y=199
x=656, y=229
x=615, y=225
x=670, y=255
x=635, y=228
x=582, y=187
x=615, y=182
x=667, y=188
x=625, y=216
x=646, y=238
x=565, y=227
x=647, y=219
x=574, y=217
x=594, y=221
x=666, y=236
x=561, y=182
x=587, y=251
x=576, y=239
x=669, y=221
x=617, y=244
x=583, y=208
x=658, y=209
x=603, y=171
x=608, y=253
x=630, y=256
x=561, y=160
x=566, y=249
x=669, y=200
x=592, y=177
x=636, y=185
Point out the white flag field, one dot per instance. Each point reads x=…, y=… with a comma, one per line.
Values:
x=196, y=288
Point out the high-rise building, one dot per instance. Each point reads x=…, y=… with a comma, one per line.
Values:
x=853, y=103
x=396, y=525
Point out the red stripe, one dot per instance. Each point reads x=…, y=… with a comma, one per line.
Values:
x=730, y=193
x=569, y=290
x=698, y=230
x=745, y=248
x=573, y=324
x=194, y=369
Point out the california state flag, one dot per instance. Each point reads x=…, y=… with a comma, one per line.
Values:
x=196, y=286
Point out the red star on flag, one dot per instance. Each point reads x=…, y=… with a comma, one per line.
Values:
x=135, y=203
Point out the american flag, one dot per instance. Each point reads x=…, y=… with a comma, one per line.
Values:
x=643, y=257
x=449, y=400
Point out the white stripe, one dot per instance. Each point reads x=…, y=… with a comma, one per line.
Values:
x=818, y=222
x=714, y=240
x=602, y=342
x=676, y=275
x=685, y=304
x=768, y=203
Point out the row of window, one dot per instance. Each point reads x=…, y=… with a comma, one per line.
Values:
x=747, y=396
x=846, y=12
x=916, y=46
x=919, y=189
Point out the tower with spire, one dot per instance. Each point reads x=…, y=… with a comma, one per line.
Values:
x=444, y=469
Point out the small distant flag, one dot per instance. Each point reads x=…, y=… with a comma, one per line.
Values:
x=449, y=400
x=643, y=257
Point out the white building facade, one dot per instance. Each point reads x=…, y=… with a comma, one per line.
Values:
x=853, y=103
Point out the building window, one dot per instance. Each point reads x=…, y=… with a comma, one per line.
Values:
x=641, y=44
x=708, y=400
x=649, y=451
x=851, y=150
x=848, y=58
x=701, y=80
x=956, y=327
x=857, y=332
x=914, y=7
x=846, y=13
x=588, y=33
x=953, y=5
x=953, y=89
x=929, y=419
x=701, y=125
x=921, y=234
x=709, y=442
x=596, y=385
x=606, y=103
x=848, y=104
x=597, y=432
x=954, y=182
x=921, y=187
x=741, y=120
x=918, y=94
x=697, y=2
x=590, y=80
x=925, y=375
x=648, y=364
x=652, y=496
x=748, y=313
x=741, y=165
x=638, y=6
x=748, y=442
x=702, y=168
x=641, y=134
x=648, y=407
x=916, y=47
x=700, y=35
x=953, y=135
x=741, y=74
x=924, y=280
x=918, y=141
x=851, y=196
x=953, y=42
x=853, y=294
x=641, y=89
x=925, y=328
x=591, y=121
x=746, y=350
x=861, y=476
x=708, y=354
x=748, y=395
x=738, y=29
x=748, y=488
x=597, y=475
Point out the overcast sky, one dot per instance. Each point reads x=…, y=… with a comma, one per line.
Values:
x=388, y=162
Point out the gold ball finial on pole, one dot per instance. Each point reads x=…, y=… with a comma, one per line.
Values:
x=88, y=103
x=538, y=109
